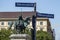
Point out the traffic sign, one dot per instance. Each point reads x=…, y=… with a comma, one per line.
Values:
x=44, y=15
x=19, y=4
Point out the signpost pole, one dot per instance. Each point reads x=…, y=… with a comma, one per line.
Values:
x=34, y=27
x=34, y=24
x=35, y=7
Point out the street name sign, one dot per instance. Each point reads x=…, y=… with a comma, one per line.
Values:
x=44, y=15
x=19, y=4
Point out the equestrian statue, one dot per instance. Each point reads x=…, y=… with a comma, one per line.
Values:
x=21, y=24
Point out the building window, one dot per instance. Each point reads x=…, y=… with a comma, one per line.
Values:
x=41, y=23
x=2, y=23
x=10, y=22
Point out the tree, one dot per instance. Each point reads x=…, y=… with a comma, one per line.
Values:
x=4, y=34
x=41, y=35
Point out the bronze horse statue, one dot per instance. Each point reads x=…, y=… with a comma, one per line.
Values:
x=21, y=25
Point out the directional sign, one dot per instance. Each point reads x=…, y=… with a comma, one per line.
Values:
x=18, y=4
x=44, y=15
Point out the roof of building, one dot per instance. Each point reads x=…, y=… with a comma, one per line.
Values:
x=16, y=14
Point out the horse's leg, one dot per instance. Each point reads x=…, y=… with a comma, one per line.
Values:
x=20, y=30
x=24, y=29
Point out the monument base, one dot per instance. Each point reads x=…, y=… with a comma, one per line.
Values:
x=20, y=37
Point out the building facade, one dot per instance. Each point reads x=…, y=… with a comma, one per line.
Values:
x=6, y=18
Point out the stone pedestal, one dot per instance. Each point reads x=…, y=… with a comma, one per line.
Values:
x=20, y=37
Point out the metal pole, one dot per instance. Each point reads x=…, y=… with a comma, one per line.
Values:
x=34, y=7
x=34, y=27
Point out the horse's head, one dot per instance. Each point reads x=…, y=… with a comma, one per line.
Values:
x=27, y=19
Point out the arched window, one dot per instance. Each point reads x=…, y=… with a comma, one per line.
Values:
x=2, y=23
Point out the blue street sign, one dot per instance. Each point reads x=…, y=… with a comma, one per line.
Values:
x=18, y=4
x=44, y=15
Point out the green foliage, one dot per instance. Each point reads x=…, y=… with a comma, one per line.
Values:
x=27, y=31
x=4, y=34
x=41, y=35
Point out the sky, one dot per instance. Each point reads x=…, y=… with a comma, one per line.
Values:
x=43, y=6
